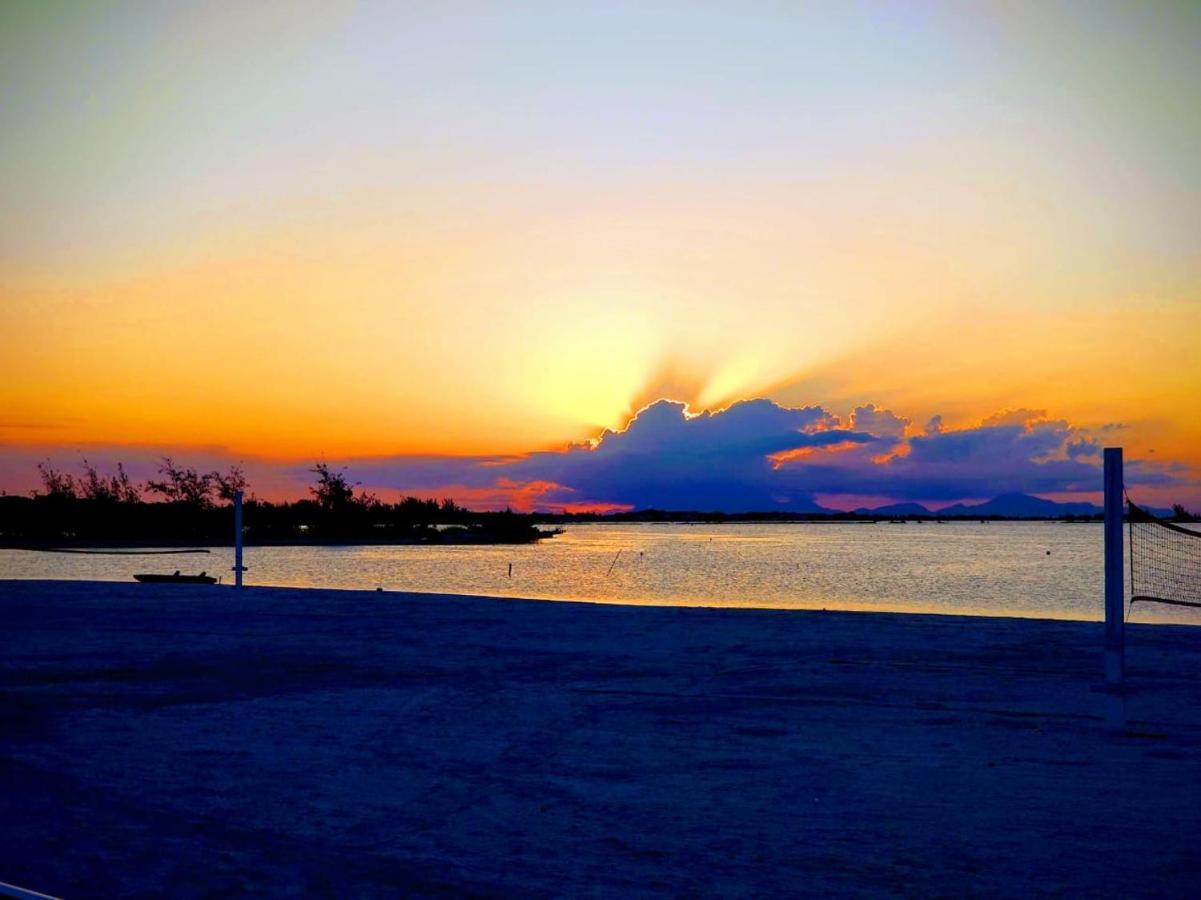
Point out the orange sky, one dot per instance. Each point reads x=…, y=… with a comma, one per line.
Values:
x=358, y=230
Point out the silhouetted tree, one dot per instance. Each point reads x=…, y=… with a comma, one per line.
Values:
x=108, y=488
x=97, y=506
x=1180, y=514
x=332, y=491
x=183, y=484
x=230, y=483
x=58, y=485
x=126, y=490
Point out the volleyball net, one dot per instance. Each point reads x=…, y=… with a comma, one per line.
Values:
x=1165, y=560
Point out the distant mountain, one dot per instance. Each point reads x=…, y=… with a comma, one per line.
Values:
x=1006, y=506
x=1019, y=506
x=1011, y=506
x=896, y=509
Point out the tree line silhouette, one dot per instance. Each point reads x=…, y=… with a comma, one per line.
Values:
x=184, y=505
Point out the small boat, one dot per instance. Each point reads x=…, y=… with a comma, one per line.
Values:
x=177, y=578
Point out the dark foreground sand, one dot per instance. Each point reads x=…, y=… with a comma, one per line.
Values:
x=206, y=742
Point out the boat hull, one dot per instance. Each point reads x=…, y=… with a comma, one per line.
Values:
x=147, y=578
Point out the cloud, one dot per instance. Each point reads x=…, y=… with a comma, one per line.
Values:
x=1001, y=455
x=755, y=455
x=880, y=422
x=54, y=423
x=1086, y=446
x=669, y=458
x=1015, y=417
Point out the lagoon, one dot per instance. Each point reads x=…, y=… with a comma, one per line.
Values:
x=1028, y=569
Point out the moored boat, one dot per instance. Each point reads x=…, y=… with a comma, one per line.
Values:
x=177, y=578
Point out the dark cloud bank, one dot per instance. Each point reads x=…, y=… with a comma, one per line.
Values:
x=757, y=455
x=753, y=456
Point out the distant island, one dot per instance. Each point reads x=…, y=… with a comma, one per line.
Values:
x=190, y=507
x=1013, y=506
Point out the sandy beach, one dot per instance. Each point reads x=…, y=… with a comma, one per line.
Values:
x=204, y=741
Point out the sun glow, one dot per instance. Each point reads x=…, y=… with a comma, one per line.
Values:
x=365, y=229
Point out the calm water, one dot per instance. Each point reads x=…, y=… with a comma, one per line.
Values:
x=1001, y=568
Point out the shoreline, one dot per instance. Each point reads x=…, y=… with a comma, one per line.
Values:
x=273, y=739
x=451, y=596
x=165, y=543
x=559, y=527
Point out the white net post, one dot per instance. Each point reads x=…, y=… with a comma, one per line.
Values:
x=238, y=568
x=1115, y=638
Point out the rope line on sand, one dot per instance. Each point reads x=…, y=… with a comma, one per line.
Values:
x=11, y=890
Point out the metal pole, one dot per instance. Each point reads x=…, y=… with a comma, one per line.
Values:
x=1115, y=591
x=238, y=568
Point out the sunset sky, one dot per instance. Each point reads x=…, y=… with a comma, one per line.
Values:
x=952, y=248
